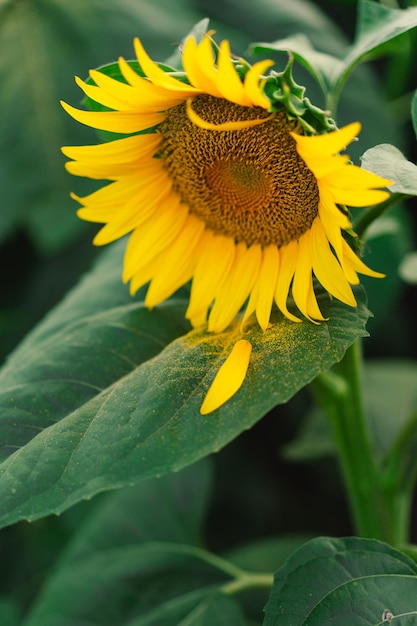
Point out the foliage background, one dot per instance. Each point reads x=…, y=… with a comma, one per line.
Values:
x=267, y=482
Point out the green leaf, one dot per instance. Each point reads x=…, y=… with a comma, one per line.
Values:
x=389, y=162
x=133, y=562
x=320, y=64
x=377, y=25
x=100, y=380
x=344, y=581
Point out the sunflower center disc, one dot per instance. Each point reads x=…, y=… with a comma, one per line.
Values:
x=249, y=184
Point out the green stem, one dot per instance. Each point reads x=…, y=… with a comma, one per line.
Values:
x=365, y=219
x=241, y=579
x=400, y=511
x=249, y=580
x=200, y=553
x=340, y=395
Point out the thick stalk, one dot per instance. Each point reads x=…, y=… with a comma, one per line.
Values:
x=340, y=395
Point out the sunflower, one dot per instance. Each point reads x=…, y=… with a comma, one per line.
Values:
x=219, y=185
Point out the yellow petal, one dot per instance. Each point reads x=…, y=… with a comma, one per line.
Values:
x=302, y=274
x=139, y=209
x=146, y=273
x=127, y=94
x=126, y=150
x=302, y=288
x=233, y=292
x=144, y=96
x=114, y=193
x=198, y=121
x=180, y=261
x=158, y=76
x=287, y=260
x=126, y=196
x=326, y=268
x=102, y=97
x=322, y=166
x=207, y=67
x=153, y=96
x=358, y=198
x=262, y=295
x=115, y=121
x=145, y=169
x=354, y=177
x=100, y=216
x=252, y=86
x=193, y=60
x=328, y=143
x=333, y=220
x=154, y=236
x=312, y=306
x=214, y=264
x=229, y=378
x=228, y=81
x=357, y=264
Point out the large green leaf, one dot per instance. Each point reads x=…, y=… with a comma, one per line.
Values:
x=344, y=581
x=135, y=561
x=101, y=396
x=377, y=25
x=386, y=160
x=321, y=65
x=44, y=43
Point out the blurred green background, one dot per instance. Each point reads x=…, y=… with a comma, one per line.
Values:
x=45, y=248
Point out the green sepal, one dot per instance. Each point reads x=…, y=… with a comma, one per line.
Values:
x=283, y=91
